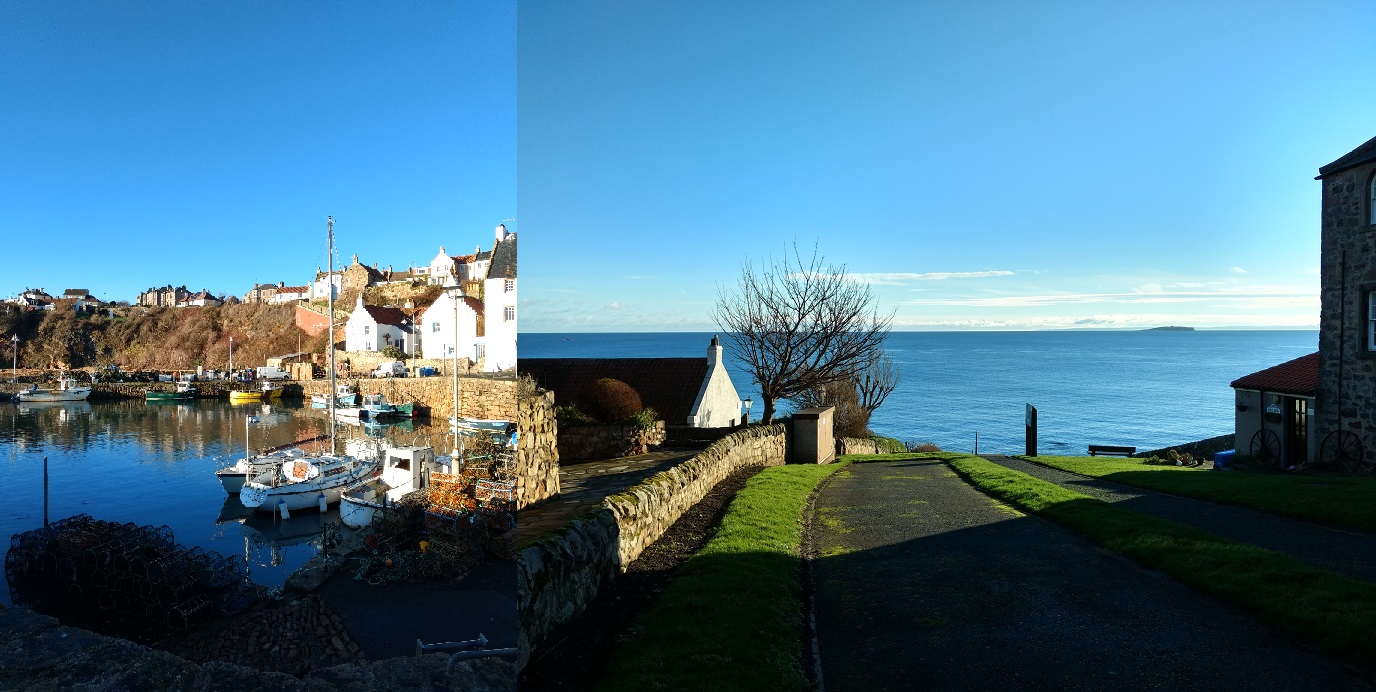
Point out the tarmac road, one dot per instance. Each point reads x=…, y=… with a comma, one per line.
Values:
x=923, y=582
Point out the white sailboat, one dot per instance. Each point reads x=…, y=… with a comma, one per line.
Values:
x=313, y=480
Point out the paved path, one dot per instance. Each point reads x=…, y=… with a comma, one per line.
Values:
x=584, y=484
x=1340, y=551
x=922, y=582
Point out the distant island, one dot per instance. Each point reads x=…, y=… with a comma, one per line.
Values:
x=1169, y=329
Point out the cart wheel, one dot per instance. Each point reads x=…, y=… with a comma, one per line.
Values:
x=1341, y=450
x=1265, y=449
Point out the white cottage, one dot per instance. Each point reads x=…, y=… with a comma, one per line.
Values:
x=438, y=333
x=374, y=327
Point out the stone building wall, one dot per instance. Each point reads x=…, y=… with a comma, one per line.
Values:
x=559, y=574
x=311, y=321
x=583, y=442
x=1346, y=397
x=537, y=453
x=479, y=396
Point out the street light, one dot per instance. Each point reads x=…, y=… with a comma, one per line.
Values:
x=14, y=374
x=745, y=418
x=231, y=357
x=455, y=292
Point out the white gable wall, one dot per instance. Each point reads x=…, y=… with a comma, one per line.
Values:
x=718, y=405
x=499, y=324
x=437, y=330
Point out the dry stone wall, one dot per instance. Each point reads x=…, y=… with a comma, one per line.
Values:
x=856, y=445
x=479, y=396
x=559, y=574
x=582, y=442
x=537, y=452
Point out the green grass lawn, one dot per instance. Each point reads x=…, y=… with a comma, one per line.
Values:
x=732, y=618
x=1344, y=501
x=1330, y=610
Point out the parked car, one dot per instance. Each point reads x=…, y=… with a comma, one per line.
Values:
x=390, y=368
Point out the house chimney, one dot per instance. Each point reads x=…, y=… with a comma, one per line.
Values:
x=714, y=353
x=281, y=284
x=501, y=232
x=441, y=249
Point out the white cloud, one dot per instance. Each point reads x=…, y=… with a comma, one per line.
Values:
x=1237, y=270
x=898, y=278
x=613, y=305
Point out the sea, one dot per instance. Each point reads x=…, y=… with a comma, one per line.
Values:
x=154, y=464
x=1146, y=389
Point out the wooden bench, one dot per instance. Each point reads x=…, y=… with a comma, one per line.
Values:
x=1095, y=450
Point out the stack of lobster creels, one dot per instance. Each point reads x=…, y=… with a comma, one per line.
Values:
x=475, y=503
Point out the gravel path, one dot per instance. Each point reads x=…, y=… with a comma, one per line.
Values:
x=1340, y=551
x=922, y=582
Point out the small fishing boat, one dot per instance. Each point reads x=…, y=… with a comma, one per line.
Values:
x=271, y=390
x=66, y=390
x=376, y=406
x=345, y=395
x=251, y=396
x=405, y=469
x=185, y=390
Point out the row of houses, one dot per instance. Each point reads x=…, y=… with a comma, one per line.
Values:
x=78, y=299
x=475, y=319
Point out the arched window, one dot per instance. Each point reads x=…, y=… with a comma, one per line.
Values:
x=1371, y=202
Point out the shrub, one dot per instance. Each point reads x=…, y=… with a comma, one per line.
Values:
x=645, y=419
x=850, y=419
x=571, y=415
x=916, y=446
x=888, y=445
x=394, y=353
x=611, y=401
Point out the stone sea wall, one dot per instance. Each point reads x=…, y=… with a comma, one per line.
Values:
x=480, y=396
x=537, y=453
x=582, y=442
x=38, y=653
x=559, y=574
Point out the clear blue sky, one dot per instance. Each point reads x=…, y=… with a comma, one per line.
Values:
x=997, y=165
x=147, y=143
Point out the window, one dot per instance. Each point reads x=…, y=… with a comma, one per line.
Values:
x=509, y=314
x=434, y=326
x=1371, y=203
x=481, y=351
x=365, y=330
x=1371, y=320
x=510, y=284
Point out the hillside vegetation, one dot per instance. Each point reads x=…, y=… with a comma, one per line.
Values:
x=156, y=338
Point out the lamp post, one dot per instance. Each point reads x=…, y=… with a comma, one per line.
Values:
x=14, y=373
x=455, y=292
x=745, y=417
x=231, y=357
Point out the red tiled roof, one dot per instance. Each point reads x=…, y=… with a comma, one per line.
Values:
x=385, y=315
x=292, y=289
x=1299, y=376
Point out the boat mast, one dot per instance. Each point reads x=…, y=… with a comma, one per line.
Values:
x=329, y=281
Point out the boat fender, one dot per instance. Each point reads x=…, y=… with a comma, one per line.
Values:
x=320, y=500
x=282, y=507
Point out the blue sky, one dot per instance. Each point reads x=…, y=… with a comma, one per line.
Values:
x=204, y=144
x=984, y=165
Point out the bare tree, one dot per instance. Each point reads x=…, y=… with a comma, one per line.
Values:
x=875, y=381
x=849, y=419
x=799, y=325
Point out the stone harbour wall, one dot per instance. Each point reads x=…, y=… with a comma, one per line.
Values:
x=480, y=396
x=38, y=653
x=558, y=575
x=537, y=452
x=582, y=442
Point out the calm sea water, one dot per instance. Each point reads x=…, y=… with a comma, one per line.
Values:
x=1148, y=389
x=154, y=464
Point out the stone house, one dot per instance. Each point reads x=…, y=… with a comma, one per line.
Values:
x=688, y=392
x=262, y=293
x=199, y=299
x=1346, y=390
x=438, y=333
x=80, y=299
x=320, y=285
x=165, y=297
x=1275, y=411
x=374, y=327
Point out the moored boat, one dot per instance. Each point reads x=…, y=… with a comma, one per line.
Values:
x=66, y=390
x=251, y=396
x=345, y=395
x=405, y=469
x=185, y=390
x=307, y=482
x=376, y=406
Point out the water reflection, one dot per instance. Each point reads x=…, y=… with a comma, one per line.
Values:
x=154, y=464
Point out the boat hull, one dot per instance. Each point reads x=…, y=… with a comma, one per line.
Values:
x=301, y=495
x=47, y=395
x=357, y=513
x=167, y=396
x=245, y=397
x=233, y=481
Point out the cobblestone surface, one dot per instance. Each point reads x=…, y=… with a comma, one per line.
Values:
x=294, y=637
x=585, y=484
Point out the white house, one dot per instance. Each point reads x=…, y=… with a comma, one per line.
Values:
x=320, y=286
x=717, y=403
x=200, y=299
x=289, y=294
x=499, y=304
x=374, y=327
x=437, y=328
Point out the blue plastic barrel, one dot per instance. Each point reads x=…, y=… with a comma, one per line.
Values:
x=1223, y=461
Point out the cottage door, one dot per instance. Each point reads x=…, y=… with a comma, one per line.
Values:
x=1296, y=432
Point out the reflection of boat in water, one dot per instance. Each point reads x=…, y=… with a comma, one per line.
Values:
x=404, y=469
x=265, y=531
x=64, y=409
x=66, y=390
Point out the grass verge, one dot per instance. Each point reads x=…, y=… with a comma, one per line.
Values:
x=1329, y=610
x=732, y=618
x=1347, y=502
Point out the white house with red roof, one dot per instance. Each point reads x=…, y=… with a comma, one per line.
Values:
x=290, y=294
x=374, y=327
x=1275, y=414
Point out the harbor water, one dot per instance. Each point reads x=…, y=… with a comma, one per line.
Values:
x=154, y=463
x=1147, y=389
